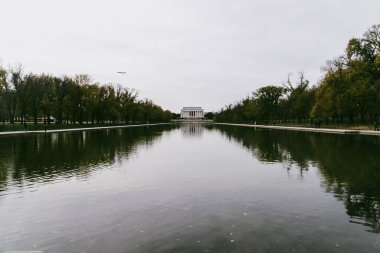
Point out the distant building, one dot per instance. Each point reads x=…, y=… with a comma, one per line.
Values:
x=192, y=113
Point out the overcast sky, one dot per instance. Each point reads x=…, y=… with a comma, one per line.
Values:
x=182, y=53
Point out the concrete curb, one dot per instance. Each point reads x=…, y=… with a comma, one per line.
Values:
x=307, y=129
x=76, y=129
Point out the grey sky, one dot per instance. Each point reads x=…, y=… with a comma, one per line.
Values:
x=182, y=53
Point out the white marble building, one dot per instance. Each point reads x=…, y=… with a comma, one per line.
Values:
x=192, y=113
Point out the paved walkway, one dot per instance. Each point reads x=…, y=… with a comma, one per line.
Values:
x=309, y=129
x=76, y=129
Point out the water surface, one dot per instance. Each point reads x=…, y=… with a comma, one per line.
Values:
x=190, y=188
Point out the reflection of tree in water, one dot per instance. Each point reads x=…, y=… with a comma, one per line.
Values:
x=349, y=164
x=39, y=158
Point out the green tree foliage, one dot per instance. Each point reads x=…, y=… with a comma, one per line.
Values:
x=350, y=88
x=299, y=100
x=46, y=98
x=267, y=102
x=37, y=88
x=8, y=96
x=349, y=91
x=209, y=115
x=3, y=79
x=22, y=90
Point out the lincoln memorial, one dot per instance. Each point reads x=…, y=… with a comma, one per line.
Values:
x=192, y=113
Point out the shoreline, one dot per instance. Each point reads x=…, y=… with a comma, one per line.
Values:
x=308, y=129
x=6, y=133
x=289, y=128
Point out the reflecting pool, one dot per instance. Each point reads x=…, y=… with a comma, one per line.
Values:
x=190, y=188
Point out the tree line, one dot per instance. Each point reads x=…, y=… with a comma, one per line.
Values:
x=349, y=91
x=47, y=98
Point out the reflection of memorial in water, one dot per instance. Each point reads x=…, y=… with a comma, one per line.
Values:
x=192, y=129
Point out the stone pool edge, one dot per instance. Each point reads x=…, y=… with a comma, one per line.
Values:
x=78, y=129
x=307, y=129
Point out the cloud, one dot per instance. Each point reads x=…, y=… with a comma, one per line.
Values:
x=211, y=52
